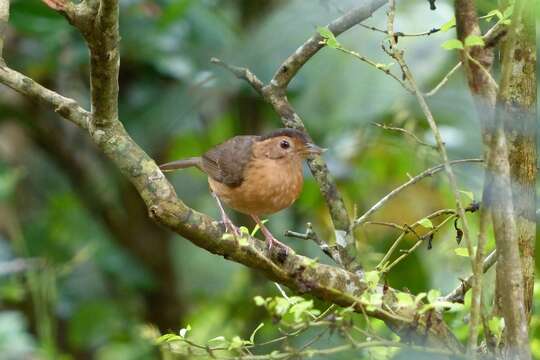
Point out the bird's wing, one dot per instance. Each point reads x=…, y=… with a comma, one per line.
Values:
x=227, y=161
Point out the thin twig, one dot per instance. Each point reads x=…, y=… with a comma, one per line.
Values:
x=406, y=229
x=241, y=73
x=429, y=172
x=444, y=80
x=404, y=131
x=401, y=34
x=484, y=70
x=382, y=67
x=409, y=251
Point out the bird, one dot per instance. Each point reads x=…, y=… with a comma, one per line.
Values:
x=256, y=175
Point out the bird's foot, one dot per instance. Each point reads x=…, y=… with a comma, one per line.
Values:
x=230, y=227
x=271, y=241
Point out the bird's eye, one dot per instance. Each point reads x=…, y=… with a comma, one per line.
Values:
x=284, y=144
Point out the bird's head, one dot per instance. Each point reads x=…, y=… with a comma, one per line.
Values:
x=286, y=144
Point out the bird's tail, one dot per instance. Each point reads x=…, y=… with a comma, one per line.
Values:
x=182, y=164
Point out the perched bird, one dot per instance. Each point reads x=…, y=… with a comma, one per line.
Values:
x=254, y=175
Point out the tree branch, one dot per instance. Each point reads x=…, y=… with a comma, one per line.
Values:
x=66, y=107
x=518, y=97
x=104, y=63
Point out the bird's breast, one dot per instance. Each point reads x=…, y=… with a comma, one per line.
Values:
x=268, y=187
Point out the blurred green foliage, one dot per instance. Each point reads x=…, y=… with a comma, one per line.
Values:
x=91, y=292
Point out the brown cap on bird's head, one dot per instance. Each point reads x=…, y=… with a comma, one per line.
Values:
x=293, y=140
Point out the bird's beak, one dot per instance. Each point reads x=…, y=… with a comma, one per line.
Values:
x=313, y=149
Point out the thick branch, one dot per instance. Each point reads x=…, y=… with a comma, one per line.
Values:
x=104, y=63
x=514, y=105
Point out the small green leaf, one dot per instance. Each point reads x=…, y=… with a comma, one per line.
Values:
x=252, y=337
x=312, y=263
x=227, y=236
x=492, y=13
x=218, y=341
x=447, y=306
x=236, y=343
x=468, y=194
x=376, y=299
x=420, y=297
x=372, y=278
x=183, y=332
x=325, y=32
x=433, y=295
x=281, y=307
x=259, y=300
x=329, y=37
x=425, y=222
x=168, y=338
x=448, y=25
x=452, y=44
x=462, y=252
x=474, y=40
x=404, y=299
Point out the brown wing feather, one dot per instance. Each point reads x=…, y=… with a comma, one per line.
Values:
x=227, y=161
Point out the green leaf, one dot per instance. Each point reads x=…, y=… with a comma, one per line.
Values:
x=252, y=337
x=425, y=222
x=492, y=13
x=218, y=341
x=448, y=25
x=376, y=299
x=227, y=236
x=474, y=40
x=420, y=297
x=325, y=32
x=168, y=338
x=404, y=299
x=372, y=278
x=183, y=332
x=433, y=295
x=462, y=252
x=468, y=194
x=298, y=310
x=447, y=306
x=259, y=300
x=281, y=306
x=329, y=37
x=236, y=343
x=452, y=44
